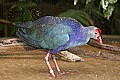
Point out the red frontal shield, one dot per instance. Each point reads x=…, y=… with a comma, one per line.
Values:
x=99, y=36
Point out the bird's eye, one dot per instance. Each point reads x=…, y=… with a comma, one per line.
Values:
x=96, y=33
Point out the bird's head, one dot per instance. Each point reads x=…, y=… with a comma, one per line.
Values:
x=95, y=33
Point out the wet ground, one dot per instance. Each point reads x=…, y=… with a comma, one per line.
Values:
x=30, y=65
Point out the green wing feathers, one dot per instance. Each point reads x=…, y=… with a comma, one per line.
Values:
x=49, y=36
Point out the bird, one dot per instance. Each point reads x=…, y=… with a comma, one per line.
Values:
x=56, y=34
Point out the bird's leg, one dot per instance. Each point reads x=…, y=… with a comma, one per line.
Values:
x=48, y=64
x=56, y=64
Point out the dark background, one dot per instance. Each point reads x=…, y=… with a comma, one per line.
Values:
x=30, y=10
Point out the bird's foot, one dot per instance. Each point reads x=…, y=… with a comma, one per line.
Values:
x=59, y=73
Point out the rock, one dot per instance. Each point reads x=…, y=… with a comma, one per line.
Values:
x=68, y=56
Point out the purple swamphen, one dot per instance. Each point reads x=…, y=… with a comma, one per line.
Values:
x=56, y=34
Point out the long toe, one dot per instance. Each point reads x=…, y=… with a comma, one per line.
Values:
x=61, y=73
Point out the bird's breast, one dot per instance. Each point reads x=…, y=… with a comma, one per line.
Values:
x=77, y=40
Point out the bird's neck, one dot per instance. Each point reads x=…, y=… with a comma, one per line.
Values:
x=86, y=32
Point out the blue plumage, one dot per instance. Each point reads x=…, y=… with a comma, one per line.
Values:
x=53, y=33
x=56, y=34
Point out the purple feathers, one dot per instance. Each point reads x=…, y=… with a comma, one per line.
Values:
x=55, y=33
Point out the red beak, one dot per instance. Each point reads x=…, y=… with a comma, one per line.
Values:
x=99, y=39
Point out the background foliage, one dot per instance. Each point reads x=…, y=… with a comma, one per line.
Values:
x=101, y=13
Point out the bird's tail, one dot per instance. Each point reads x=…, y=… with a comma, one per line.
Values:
x=24, y=25
x=22, y=33
x=27, y=40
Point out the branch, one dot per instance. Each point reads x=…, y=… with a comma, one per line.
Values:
x=6, y=43
x=5, y=21
x=94, y=43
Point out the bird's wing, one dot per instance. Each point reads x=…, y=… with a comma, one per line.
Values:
x=49, y=35
x=50, y=32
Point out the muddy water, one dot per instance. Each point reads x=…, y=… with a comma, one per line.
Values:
x=30, y=65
